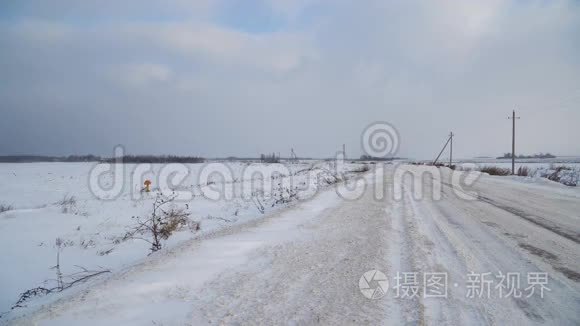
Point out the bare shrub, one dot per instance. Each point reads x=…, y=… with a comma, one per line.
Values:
x=256, y=201
x=560, y=167
x=176, y=219
x=66, y=282
x=161, y=224
x=67, y=200
x=63, y=281
x=68, y=204
x=194, y=225
x=494, y=170
x=361, y=169
x=5, y=208
x=105, y=252
x=556, y=176
x=563, y=174
x=523, y=171
x=29, y=294
x=284, y=195
x=327, y=177
x=87, y=244
x=211, y=217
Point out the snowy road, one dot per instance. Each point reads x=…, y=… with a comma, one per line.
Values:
x=303, y=265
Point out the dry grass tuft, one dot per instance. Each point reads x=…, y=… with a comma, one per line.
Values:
x=494, y=170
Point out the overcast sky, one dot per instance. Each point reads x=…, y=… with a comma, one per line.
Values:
x=238, y=77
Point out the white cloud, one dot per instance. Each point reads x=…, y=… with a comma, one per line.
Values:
x=276, y=52
x=141, y=74
x=427, y=67
x=291, y=8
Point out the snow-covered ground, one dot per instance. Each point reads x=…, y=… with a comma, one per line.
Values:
x=92, y=230
x=532, y=165
x=564, y=171
x=303, y=264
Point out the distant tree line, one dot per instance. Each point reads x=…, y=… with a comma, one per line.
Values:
x=82, y=158
x=374, y=158
x=269, y=158
x=155, y=159
x=40, y=158
x=95, y=158
x=541, y=155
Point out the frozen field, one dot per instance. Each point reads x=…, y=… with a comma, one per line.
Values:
x=302, y=262
x=92, y=230
x=565, y=171
x=532, y=165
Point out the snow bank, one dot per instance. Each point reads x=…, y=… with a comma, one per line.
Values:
x=569, y=176
x=564, y=173
x=92, y=231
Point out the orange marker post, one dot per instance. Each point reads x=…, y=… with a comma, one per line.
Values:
x=147, y=183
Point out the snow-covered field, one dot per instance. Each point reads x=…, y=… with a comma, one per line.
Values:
x=302, y=263
x=532, y=165
x=92, y=230
x=566, y=171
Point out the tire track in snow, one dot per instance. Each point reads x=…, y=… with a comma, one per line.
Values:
x=497, y=251
x=532, y=218
x=541, y=222
x=431, y=250
x=310, y=280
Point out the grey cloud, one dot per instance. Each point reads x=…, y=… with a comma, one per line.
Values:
x=192, y=86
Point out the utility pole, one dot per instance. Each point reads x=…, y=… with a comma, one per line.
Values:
x=344, y=151
x=513, y=117
x=442, y=149
x=451, y=149
x=293, y=157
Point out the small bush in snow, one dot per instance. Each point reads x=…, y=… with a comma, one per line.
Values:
x=361, y=169
x=68, y=204
x=560, y=167
x=327, y=177
x=523, y=171
x=63, y=282
x=564, y=175
x=161, y=224
x=175, y=220
x=494, y=170
x=5, y=208
x=284, y=195
x=257, y=202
